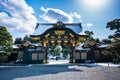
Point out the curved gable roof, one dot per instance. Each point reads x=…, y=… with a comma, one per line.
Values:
x=42, y=28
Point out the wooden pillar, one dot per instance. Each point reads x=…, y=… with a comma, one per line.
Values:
x=71, y=55
x=72, y=60
x=37, y=55
x=45, y=57
x=92, y=54
x=80, y=55
x=45, y=52
x=100, y=53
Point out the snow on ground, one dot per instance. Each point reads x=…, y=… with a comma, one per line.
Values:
x=58, y=62
x=66, y=62
x=100, y=64
x=108, y=64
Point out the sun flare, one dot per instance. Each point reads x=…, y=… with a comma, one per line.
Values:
x=95, y=4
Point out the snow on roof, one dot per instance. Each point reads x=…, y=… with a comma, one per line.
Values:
x=76, y=28
x=81, y=44
x=103, y=45
x=80, y=47
x=37, y=49
x=14, y=46
x=31, y=50
x=41, y=28
x=2, y=51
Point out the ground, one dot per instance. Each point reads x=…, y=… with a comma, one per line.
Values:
x=60, y=72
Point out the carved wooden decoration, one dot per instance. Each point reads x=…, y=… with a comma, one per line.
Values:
x=59, y=32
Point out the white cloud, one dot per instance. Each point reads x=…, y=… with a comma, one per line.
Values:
x=89, y=25
x=76, y=15
x=54, y=15
x=18, y=15
x=81, y=21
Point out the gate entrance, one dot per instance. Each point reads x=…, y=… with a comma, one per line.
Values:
x=53, y=36
x=58, y=54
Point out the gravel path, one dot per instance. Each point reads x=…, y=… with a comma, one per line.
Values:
x=60, y=72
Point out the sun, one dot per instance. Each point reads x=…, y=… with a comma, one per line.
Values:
x=95, y=4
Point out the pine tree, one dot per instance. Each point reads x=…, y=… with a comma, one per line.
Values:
x=114, y=47
x=6, y=41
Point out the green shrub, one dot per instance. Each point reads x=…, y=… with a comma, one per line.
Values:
x=115, y=61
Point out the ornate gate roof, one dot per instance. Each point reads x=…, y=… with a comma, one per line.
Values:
x=41, y=28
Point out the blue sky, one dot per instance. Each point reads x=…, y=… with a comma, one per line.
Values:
x=21, y=16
